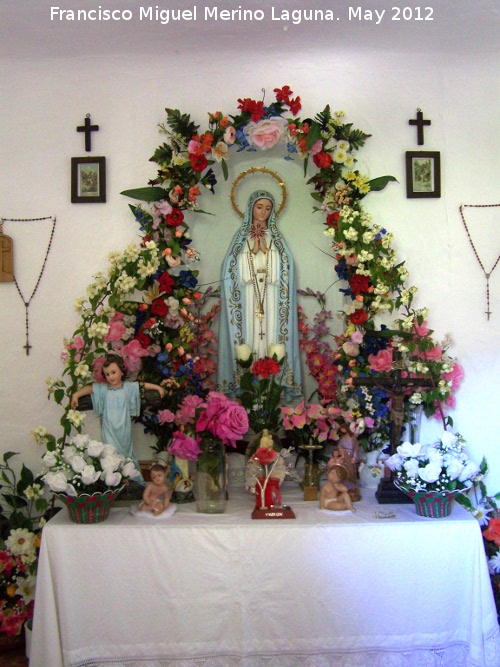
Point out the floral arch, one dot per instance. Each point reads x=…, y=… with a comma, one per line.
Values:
x=148, y=305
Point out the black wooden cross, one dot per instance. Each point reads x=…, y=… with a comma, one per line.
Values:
x=88, y=129
x=396, y=387
x=419, y=122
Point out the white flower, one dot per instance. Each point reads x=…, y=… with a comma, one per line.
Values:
x=68, y=452
x=71, y=491
x=469, y=471
x=39, y=434
x=243, y=352
x=49, y=459
x=448, y=439
x=111, y=462
x=33, y=492
x=95, y=448
x=75, y=417
x=80, y=440
x=277, y=349
x=90, y=475
x=56, y=481
x=454, y=468
x=407, y=449
x=20, y=541
x=430, y=473
x=111, y=478
x=26, y=588
x=411, y=467
x=494, y=563
x=78, y=463
x=395, y=462
x=130, y=471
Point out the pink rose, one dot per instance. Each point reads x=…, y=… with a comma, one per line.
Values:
x=229, y=135
x=382, y=361
x=357, y=337
x=184, y=447
x=116, y=331
x=266, y=133
x=232, y=424
x=165, y=416
x=98, y=375
x=351, y=349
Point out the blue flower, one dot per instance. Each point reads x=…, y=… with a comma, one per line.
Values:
x=187, y=279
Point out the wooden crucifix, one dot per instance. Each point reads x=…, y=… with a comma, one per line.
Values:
x=88, y=129
x=397, y=388
x=420, y=123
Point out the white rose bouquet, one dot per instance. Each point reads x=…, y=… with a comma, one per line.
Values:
x=85, y=466
x=442, y=467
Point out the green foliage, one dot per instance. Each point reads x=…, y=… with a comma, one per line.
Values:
x=181, y=123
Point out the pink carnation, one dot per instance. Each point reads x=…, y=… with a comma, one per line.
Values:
x=382, y=361
x=165, y=416
x=421, y=329
x=116, y=331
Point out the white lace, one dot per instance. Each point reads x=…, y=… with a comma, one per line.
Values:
x=453, y=655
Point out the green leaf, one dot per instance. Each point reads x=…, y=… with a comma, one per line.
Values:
x=223, y=164
x=314, y=134
x=146, y=194
x=379, y=183
x=59, y=396
x=464, y=501
x=181, y=123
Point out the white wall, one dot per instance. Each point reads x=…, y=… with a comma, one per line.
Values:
x=43, y=102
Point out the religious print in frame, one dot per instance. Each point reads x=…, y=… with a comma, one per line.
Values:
x=423, y=174
x=88, y=180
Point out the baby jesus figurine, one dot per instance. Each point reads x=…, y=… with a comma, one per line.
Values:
x=155, y=498
x=334, y=494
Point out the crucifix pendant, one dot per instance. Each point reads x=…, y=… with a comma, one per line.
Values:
x=27, y=347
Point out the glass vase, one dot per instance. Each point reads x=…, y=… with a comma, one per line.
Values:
x=210, y=480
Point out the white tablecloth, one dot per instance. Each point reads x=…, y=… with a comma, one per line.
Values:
x=324, y=590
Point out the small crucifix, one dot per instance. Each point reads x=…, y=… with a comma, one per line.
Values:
x=396, y=387
x=88, y=129
x=420, y=123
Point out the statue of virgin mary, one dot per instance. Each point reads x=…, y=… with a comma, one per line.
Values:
x=258, y=297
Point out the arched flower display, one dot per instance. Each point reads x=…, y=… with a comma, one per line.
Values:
x=148, y=305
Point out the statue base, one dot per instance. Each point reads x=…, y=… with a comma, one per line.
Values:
x=282, y=512
x=388, y=494
x=311, y=493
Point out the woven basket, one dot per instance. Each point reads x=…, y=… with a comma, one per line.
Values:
x=433, y=505
x=90, y=509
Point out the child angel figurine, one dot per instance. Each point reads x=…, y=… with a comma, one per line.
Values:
x=334, y=494
x=156, y=497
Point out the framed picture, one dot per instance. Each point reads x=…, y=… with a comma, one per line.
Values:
x=88, y=180
x=423, y=174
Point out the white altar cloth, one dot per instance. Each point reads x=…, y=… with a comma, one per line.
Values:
x=321, y=590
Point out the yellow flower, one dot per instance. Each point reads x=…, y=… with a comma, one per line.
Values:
x=11, y=590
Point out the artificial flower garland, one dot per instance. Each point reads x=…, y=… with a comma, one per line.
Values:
x=166, y=336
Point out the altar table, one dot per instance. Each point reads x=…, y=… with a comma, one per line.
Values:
x=327, y=589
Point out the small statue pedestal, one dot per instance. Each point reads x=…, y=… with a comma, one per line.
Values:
x=278, y=512
x=311, y=492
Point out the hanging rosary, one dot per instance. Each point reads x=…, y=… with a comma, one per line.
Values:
x=487, y=275
x=6, y=266
x=259, y=311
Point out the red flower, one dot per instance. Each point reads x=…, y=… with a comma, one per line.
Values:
x=207, y=140
x=265, y=367
x=175, y=218
x=359, y=283
x=166, y=283
x=159, y=308
x=198, y=162
x=322, y=160
x=359, y=317
x=295, y=105
x=492, y=533
x=283, y=94
x=255, y=109
x=144, y=340
x=333, y=219
x=264, y=455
